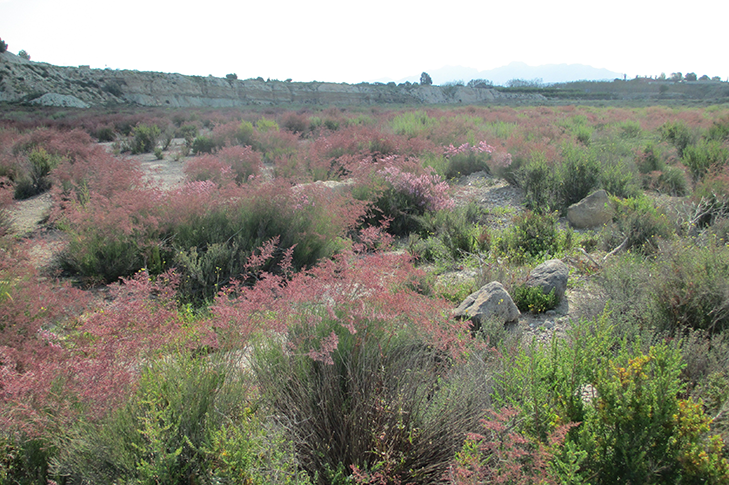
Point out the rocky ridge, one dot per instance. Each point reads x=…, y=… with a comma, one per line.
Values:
x=24, y=81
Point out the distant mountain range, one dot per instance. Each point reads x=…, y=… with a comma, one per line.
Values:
x=548, y=73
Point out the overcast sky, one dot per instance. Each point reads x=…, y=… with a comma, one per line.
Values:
x=342, y=41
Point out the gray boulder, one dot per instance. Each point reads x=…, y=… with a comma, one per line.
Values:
x=550, y=275
x=592, y=211
x=491, y=302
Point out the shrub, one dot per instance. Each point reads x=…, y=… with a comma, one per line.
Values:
x=40, y=164
x=190, y=419
x=691, y=288
x=678, y=134
x=712, y=192
x=295, y=123
x=533, y=235
x=650, y=159
x=532, y=299
x=357, y=385
x=243, y=161
x=640, y=224
x=3, y=46
x=577, y=176
x=144, y=138
x=623, y=408
x=209, y=167
x=672, y=181
x=406, y=196
x=24, y=55
x=719, y=130
x=467, y=159
x=212, y=243
x=203, y=144
x=539, y=182
x=412, y=123
x=619, y=180
x=705, y=156
x=450, y=235
x=583, y=134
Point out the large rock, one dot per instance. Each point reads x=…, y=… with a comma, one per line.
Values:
x=550, y=275
x=491, y=302
x=592, y=211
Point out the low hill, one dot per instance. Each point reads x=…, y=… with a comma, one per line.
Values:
x=23, y=81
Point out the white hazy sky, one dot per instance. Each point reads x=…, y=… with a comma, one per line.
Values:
x=341, y=41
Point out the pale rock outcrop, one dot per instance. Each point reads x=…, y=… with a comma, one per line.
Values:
x=22, y=81
x=490, y=302
x=60, y=100
x=592, y=211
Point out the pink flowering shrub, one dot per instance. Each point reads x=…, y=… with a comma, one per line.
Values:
x=402, y=191
x=467, y=159
x=501, y=454
x=244, y=162
x=209, y=167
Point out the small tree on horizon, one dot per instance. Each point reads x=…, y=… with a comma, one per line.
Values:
x=3, y=46
x=690, y=76
x=425, y=79
x=24, y=55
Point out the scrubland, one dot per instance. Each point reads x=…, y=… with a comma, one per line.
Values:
x=279, y=317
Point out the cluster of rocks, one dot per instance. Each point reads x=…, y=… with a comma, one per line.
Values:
x=492, y=303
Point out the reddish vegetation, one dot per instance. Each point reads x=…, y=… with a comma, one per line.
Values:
x=256, y=239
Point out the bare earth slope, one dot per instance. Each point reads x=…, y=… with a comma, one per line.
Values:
x=45, y=84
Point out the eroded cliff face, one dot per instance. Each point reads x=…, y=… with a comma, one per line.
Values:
x=23, y=81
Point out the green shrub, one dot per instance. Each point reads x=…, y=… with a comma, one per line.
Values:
x=387, y=402
x=190, y=420
x=412, y=123
x=619, y=180
x=24, y=460
x=678, y=134
x=40, y=164
x=532, y=299
x=158, y=153
x=265, y=125
x=625, y=416
x=203, y=144
x=533, y=235
x=188, y=132
x=583, y=134
x=246, y=133
x=577, y=176
x=144, y=138
x=672, y=181
x=705, y=156
x=630, y=129
x=538, y=180
x=719, y=131
x=449, y=235
x=692, y=288
x=712, y=192
x=650, y=159
x=640, y=223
